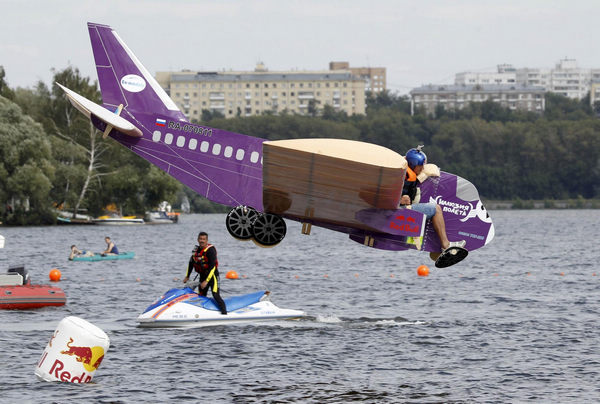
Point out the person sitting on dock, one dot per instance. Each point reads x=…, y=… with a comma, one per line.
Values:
x=76, y=252
x=111, y=248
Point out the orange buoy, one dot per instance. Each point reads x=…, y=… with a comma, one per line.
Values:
x=231, y=275
x=423, y=270
x=54, y=275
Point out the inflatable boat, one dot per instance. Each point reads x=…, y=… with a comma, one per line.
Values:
x=17, y=292
x=99, y=257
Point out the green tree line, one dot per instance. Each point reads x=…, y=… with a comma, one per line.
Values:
x=52, y=156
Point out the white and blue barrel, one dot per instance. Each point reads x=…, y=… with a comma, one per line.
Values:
x=74, y=352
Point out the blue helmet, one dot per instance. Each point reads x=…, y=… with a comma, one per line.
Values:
x=416, y=157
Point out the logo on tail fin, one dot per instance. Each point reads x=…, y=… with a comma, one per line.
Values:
x=133, y=83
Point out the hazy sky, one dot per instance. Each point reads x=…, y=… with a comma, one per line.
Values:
x=418, y=41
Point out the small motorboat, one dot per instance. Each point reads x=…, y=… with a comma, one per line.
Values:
x=162, y=214
x=182, y=307
x=161, y=217
x=117, y=220
x=17, y=292
x=64, y=217
x=108, y=257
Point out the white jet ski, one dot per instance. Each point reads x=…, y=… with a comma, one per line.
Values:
x=182, y=307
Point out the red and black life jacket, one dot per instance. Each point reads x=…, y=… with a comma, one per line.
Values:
x=200, y=260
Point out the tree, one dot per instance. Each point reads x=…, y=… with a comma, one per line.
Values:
x=5, y=91
x=26, y=169
x=70, y=125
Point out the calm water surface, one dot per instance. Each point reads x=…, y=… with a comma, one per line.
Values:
x=518, y=321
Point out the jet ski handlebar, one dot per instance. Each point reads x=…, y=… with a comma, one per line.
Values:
x=192, y=285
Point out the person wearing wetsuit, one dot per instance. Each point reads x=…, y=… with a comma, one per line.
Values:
x=204, y=262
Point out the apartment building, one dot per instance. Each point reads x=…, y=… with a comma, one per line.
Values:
x=247, y=93
x=565, y=78
x=375, y=77
x=594, y=92
x=505, y=74
x=455, y=97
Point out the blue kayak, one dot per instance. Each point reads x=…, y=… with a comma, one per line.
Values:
x=97, y=257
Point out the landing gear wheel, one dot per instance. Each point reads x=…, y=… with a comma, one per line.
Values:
x=239, y=222
x=268, y=229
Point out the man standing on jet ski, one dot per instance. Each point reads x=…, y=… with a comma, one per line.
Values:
x=204, y=261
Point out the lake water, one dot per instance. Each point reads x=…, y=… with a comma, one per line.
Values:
x=517, y=321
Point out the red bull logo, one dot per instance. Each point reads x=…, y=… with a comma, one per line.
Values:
x=408, y=224
x=89, y=357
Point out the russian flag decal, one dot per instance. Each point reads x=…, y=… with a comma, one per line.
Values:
x=161, y=122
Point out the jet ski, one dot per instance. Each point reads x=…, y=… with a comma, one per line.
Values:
x=182, y=307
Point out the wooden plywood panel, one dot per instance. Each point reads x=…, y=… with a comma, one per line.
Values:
x=330, y=179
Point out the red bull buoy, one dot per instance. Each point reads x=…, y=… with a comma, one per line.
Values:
x=231, y=275
x=423, y=270
x=54, y=275
x=74, y=352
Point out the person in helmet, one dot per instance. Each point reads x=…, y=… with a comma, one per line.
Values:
x=416, y=160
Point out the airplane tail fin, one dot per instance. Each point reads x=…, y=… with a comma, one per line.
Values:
x=123, y=79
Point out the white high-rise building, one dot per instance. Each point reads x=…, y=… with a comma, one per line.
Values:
x=506, y=74
x=565, y=78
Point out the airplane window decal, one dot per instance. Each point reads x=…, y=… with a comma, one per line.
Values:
x=180, y=141
x=228, y=151
x=156, y=136
x=193, y=144
x=204, y=147
x=169, y=138
x=254, y=157
x=216, y=150
x=239, y=155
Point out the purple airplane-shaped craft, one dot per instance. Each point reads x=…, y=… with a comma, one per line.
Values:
x=343, y=185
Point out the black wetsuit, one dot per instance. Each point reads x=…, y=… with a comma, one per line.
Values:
x=206, y=264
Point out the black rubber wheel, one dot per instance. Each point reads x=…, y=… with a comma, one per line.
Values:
x=239, y=222
x=268, y=229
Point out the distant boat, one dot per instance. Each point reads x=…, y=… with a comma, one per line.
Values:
x=64, y=217
x=98, y=257
x=160, y=217
x=117, y=220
